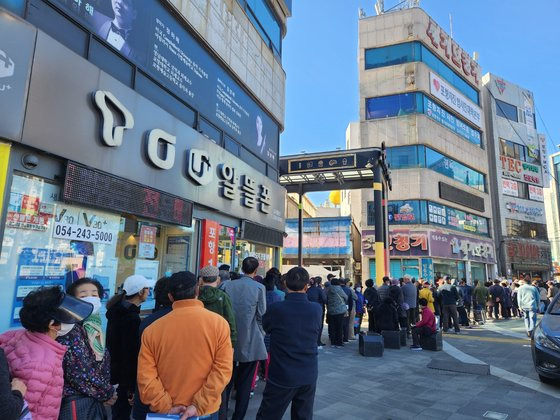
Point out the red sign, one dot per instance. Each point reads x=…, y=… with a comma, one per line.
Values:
x=449, y=49
x=210, y=237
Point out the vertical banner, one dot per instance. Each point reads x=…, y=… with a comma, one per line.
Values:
x=428, y=270
x=209, y=246
x=544, y=161
x=4, y=162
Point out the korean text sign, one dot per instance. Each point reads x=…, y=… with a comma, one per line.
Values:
x=210, y=238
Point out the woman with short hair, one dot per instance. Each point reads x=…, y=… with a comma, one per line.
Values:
x=33, y=354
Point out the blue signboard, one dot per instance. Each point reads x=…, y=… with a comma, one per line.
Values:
x=440, y=115
x=457, y=219
x=150, y=36
x=427, y=270
x=38, y=267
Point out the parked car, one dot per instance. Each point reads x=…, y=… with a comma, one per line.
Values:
x=545, y=344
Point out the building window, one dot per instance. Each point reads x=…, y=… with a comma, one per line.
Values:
x=409, y=52
x=423, y=157
x=413, y=103
x=455, y=170
x=392, y=106
x=522, y=229
x=505, y=110
x=210, y=131
x=265, y=22
x=519, y=151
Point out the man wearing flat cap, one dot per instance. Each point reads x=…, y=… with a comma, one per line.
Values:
x=190, y=342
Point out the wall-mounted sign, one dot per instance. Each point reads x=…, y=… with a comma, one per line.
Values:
x=528, y=109
x=210, y=238
x=324, y=163
x=428, y=270
x=402, y=243
x=529, y=213
x=322, y=237
x=404, y=212
x=461, y=247
x=457, y=219
x=521, y=171
x=501, y=85
x=147, y=242
x=440, y=115
x=536, y=193
x=156, y=41
x=448, y=49
x=510, y=187
x=544, y=160
x=529, y=253
x=144, y=163
x=455, y=100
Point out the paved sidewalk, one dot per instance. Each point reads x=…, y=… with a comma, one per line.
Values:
x=400, y=386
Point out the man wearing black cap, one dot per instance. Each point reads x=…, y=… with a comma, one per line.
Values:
x=189, y=350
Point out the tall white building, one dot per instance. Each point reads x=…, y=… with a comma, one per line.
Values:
x=420, y=94
x=519, y=170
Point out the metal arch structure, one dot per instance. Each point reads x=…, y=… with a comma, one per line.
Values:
x=342, y=170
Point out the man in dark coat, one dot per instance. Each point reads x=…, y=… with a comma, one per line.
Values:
x=294, y=326
x=372, y=303
x=497, y=294
x=386, y=318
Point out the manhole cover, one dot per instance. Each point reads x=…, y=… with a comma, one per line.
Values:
x=495, y=415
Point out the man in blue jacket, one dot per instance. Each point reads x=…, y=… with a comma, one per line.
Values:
x=294, y=326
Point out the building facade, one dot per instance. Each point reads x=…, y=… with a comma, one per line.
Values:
x=142, y=139
x=519, y=170
x=420, y=94
x=552, y=210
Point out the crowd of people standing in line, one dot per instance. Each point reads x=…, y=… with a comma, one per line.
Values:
x=207, y=340
x=222, y=331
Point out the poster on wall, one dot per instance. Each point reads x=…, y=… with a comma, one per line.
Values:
x=41, y=267
x=521, y=171
x=150, y=36
x=176, y=257
x=147, y=242
x=536, y=193
x=510, y=187
x=35, y=257
x=404, y=212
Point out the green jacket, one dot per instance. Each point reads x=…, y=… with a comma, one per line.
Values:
x=480, y=295
x=218, y=301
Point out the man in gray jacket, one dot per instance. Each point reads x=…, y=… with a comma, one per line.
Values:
x=528, y=299
x=410, y=293
x=249, y=305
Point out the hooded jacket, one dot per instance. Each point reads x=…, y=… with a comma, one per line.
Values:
x=386, y=318
x=219, y=302
x=123, y=343
x=336, y=301
x=36, y=359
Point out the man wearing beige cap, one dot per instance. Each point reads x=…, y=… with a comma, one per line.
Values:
x=214, y=299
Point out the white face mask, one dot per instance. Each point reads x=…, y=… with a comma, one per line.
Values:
x=64, y=329
x=95, y=301
x=358, y=289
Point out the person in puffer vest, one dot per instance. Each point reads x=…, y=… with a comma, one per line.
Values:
x=33, y=354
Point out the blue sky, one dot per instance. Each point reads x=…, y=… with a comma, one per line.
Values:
x=519, y=41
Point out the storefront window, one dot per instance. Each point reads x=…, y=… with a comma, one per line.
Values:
x=47, y=242
x=225, y=246
x=263, y=253
x=478, y=272
x=451, y=268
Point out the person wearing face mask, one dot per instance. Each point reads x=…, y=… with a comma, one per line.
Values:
x=33, y=354
x=86, y=364
x=123, y=340
x=360, y=309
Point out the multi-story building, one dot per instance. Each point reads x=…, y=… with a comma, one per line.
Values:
x=137, y=136
x=420, y=94
x=518, y=171
x=552, y=210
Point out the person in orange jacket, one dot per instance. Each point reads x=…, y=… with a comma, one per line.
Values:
x=190, y=342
